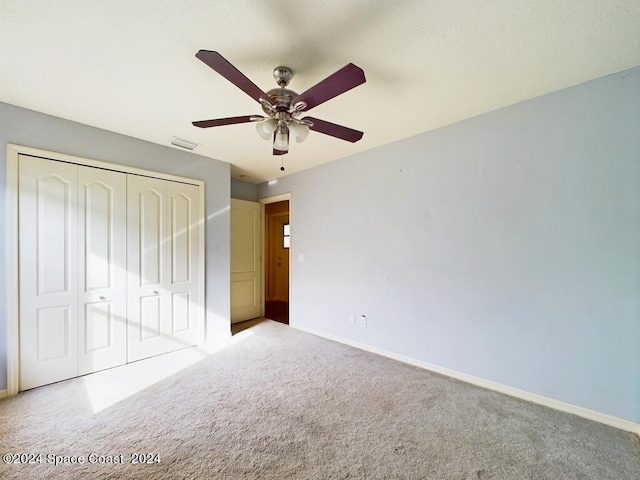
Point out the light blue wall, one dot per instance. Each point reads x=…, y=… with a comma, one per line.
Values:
x=29, y=128
x=244, y=190
x=505, y=246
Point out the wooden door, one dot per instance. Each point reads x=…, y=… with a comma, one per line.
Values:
x=277, y=241
x=245, y=260
x=280, y=258
x=102, y=281
x=47, y=215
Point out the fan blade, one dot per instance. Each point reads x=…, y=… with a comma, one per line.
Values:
x=231, y=73
x=334, y=130
x=343, y=80
x=222, y=121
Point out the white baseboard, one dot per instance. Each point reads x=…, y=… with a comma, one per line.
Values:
x=610, y=420
x=3, y=393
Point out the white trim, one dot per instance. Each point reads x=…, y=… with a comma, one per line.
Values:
x=13, y=340
x=3, y=393
x=15, y=150
x=277, y=198
x=202, y=220
x=13, y=323
x=603, y=418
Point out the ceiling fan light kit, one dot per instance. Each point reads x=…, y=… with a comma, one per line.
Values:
x=266, y=127
x=283, y=107
x=299, y=130
x=281, y=140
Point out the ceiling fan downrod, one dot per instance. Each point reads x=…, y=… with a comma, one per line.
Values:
x=282, y=75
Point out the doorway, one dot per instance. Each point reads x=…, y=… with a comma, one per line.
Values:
x=277, y=245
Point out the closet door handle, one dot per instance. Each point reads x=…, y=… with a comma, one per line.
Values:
x=155, y=292
x=102, y=297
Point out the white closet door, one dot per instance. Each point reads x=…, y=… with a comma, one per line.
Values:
x=148, y=257
x=102, y=322
x=110, y=269
x=183, y=277
x=48, y=271
x=164, y=306
x=245, y=260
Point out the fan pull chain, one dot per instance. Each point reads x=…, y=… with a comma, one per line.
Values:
x=282, y=164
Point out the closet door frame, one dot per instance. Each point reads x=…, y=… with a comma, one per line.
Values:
x=13, y=294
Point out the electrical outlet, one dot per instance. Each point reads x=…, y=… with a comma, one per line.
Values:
x=352, y=319
x=363, y=321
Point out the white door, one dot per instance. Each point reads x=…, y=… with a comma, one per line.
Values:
x=183, y=277
x=47, y=215
x=102, y=273
x=147, y=300
x=87, y=236
x=164, y=308
x=245, y=260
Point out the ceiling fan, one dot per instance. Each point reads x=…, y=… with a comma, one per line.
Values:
x=282, y=106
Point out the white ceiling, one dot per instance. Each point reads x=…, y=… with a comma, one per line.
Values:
x=128, y=65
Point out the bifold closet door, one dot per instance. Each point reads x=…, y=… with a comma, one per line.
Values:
x=164, y=308
x=72, y=270
x=47, y=215
x=183, y=276
x=109, y=268
x=102, y=273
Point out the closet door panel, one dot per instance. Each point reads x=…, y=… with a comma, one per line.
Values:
x=180, y=313
x=147, y=259
x=47, y=215
x=181, y=248
x=151, y=230
x=184, y=240
x=150, y=318
x=98, y=324
x=102, y=199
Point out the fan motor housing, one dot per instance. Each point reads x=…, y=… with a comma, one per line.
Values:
x=281, y=99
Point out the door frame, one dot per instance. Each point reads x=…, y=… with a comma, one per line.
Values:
x=263, y=241
x=13, y=294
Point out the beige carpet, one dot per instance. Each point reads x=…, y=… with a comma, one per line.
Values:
x=282, y=404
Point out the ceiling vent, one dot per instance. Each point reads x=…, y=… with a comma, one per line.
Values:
x=182, y=143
